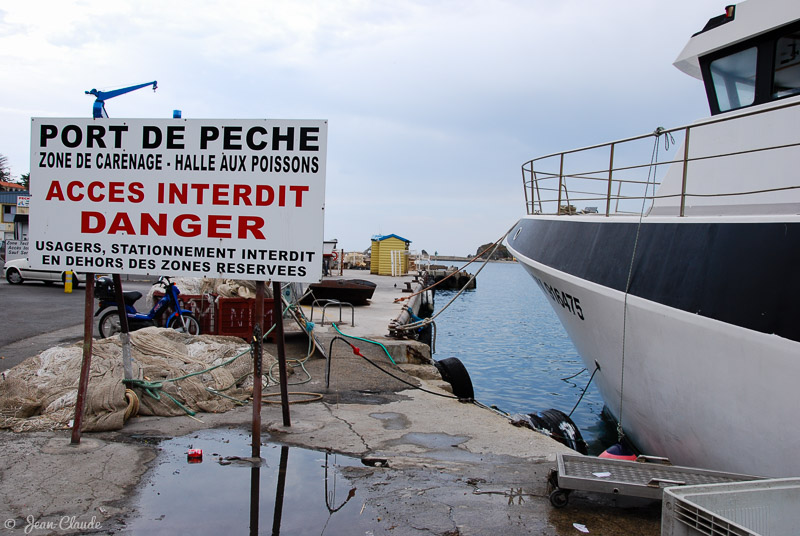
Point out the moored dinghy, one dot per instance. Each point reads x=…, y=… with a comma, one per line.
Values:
x=353, y=291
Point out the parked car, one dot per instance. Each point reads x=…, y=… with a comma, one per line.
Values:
x=19, y=270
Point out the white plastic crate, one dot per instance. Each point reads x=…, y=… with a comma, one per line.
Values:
x=756, y=508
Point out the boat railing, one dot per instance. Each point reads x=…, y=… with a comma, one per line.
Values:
x=623, y=176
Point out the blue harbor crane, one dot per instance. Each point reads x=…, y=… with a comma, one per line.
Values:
x=99, y=108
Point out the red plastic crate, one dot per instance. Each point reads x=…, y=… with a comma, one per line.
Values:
x=236, y=316
x=225, y=316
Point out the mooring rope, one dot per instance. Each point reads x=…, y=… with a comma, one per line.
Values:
x=651, y=171
x=491, y=246
x=424, y=322
x=596, y=368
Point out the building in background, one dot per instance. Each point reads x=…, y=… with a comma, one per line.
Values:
x=390, y=255
x=14, y=203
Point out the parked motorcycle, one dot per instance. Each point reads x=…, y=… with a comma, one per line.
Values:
x=178, y=318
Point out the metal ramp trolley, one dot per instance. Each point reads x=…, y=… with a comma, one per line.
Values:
x=646, y=477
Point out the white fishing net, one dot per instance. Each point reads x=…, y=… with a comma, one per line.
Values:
x=40, y=393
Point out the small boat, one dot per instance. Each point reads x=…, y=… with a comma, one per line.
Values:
x=353, y=291
x=672, y=258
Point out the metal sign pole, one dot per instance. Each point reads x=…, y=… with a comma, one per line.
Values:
x=278, y=318
x=124, y=335
x=88, y=328
x=258, y=335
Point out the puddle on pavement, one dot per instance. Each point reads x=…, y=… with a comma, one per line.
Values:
x=294, y=490
x=432, y=441
x=392, y=421
x=439, y=446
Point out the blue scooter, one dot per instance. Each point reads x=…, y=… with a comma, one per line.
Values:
x=178, y=318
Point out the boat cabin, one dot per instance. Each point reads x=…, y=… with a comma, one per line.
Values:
x=749, y=60
x=741, y=161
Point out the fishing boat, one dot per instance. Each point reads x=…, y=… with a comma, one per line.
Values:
x=673, y=258
x=352, y=291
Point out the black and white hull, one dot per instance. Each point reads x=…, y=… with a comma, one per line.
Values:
x=673, y=258
x=699, y=359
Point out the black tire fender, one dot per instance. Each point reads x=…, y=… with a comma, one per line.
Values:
x=455, y=373
x=560, y=427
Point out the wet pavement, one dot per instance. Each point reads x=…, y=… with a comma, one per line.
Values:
x=395, y=460
x=293, y=490
x=425, y=465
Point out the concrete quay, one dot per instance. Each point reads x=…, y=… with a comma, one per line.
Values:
x=432, y=465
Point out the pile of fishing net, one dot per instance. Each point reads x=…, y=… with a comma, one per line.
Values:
x=227, y=288
x=40, y=393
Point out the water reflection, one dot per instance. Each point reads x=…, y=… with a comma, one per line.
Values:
x=255, y=487
x=228, y=493
x=330, y=495
x=276, y=517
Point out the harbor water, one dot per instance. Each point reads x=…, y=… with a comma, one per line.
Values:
x=517, y=352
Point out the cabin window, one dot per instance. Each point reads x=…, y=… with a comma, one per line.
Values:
x=734, y=79
x=786, y=79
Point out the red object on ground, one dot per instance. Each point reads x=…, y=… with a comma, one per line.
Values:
x=194, y=455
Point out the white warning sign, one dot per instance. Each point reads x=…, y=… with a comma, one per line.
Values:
x=239, y=199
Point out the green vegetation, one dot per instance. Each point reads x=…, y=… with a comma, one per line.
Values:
x=5, y=174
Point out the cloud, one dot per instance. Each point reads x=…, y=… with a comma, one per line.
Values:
x=433, y=105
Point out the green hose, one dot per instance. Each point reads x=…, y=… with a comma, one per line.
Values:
x=365, y=340
x=153, y=389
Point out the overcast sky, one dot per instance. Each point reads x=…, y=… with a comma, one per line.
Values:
x=432, y=105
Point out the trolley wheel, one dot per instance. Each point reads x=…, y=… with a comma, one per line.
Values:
x=559, y=498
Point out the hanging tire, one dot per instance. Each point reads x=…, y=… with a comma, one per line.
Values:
x=455, y=373
x=189, y=320
x=560, y=427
